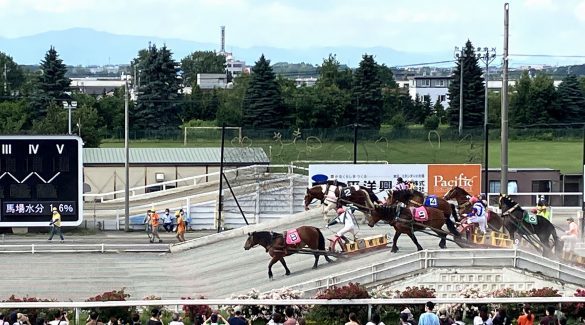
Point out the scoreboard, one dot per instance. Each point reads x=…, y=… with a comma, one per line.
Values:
x=37, y=174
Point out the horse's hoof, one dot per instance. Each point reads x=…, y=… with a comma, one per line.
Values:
x=314, y=267
x=287, y=273
x=394, y=250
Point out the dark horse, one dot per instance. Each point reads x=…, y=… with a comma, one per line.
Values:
x=276, y=246
x=334, y=195
x=402, y=221
x=416, y=199
x=543, y=229
x=462, y=197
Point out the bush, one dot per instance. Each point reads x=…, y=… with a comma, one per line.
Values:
x=121, y=313
x=576, y=309
x=338, y=314
x=195, y=312
x=431, y=122
x=398, y=122
x=263, y=312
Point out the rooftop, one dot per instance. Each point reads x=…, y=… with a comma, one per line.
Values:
x=175, y=156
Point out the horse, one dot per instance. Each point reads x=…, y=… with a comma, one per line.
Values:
x=543, y=229
x=462, y=197
x=404, y=223
x=415, y=198
x=336, y=195
x=276, y=245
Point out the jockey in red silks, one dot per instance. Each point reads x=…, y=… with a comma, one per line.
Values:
x=346, y=217
x=478, y=214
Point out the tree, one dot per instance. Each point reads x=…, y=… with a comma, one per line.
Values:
x=386, y=77
x=439, y=111
x=55, y=121
x=544, y=107
x=230, y=108
x=13, y=116
x=571, y=100
x=158, y=104
x=332, y=73
x=263, y=105
x=520, y=110
x=87, y=120
x=15, y=79
x=110, y=110
x=201, y=62
x=473, y=91
x=52, y=84
x=367, y=94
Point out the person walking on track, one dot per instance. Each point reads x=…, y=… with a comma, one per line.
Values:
x=154, y=224
x=572, y=235
x=147, y=226
x=56, y=225
x=181, y=228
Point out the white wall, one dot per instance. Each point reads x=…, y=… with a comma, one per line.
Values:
x=432, y=92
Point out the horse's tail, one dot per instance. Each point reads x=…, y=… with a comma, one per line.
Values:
x=321, y=240
x=454, y=212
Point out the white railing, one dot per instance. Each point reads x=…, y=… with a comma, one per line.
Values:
x=448, y=258
x=81, y=248
x=194, y=179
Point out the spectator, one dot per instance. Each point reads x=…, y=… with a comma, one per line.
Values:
x=572, y=235
x=180, y=228
x=113, y=321
x=21, y=319
x=501, y=318
x=276, y=319
x=444, y=318
x=154, y=318
x=136, y=319
x=527, y=317
x=403, y=319
x=2, y=321
x=428, y=317
x=237, y=318
x=147, y=226
x=376, y=320
x=186, y=218
x=167, y=220
x=459, y=317
x=290, y=319
x=60, y=319
x=410, y=316
x=93, y=319
x=215, y=318
x=352, y=319
x=176, y=320
x=154, y=223
x=39, y=321
x=483, y=318
x=56, y=225
x=302, y=321
x=550, y=318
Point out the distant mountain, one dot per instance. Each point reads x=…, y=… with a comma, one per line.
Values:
x=82, y=46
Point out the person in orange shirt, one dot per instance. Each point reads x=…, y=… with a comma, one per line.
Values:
x=154, y=223
x=180, y=227
x=527, y=317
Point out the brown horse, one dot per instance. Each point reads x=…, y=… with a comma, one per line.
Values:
x=403, y=222
x=336, y=195
x=276, y=247
x=495, y=221
x=415, y=198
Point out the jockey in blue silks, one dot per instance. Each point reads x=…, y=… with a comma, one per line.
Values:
x=346, y=217
x=478, y=214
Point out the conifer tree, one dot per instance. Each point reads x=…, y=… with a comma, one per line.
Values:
x=263, y=105
x=367, y=95
x=571, y=100
x=52, y=85
x=473, y=91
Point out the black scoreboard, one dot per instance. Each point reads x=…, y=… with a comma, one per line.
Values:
x=37, y=174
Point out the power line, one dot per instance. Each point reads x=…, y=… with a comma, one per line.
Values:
x=548, y=55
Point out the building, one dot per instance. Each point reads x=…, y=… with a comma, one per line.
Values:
x=103, y=168
x=435, y=87
x=207, y=81
x=233, y=66
x=96, y=86
x=309, y=82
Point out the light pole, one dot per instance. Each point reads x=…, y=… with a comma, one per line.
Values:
x=69, y=107
x=126, y=161
x=487, y=56
x=460, y=55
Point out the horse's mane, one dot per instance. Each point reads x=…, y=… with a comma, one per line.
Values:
x=402, y=194
x=462, y=190
x=508, y=201
x=337, y=183
x=265, y=235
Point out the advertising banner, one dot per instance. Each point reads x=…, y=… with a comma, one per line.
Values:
x=377, y=177
x=441, y=178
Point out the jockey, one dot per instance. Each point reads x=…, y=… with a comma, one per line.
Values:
x=400, y=185
x=411, y=184
x=478, y=214
x=346, y=217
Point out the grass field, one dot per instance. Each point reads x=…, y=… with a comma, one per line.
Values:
x=563, y=155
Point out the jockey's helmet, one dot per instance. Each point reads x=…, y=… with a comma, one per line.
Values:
x=473, y=199
x=399, y=180
x=534, y=211
x=340, y=210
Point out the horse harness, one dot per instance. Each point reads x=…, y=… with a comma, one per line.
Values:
x=509, y=211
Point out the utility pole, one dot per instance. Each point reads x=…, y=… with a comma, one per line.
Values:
x=487, y=57
x=504, y=134
x=5, y=78
x=460, y=56
x=126, y=161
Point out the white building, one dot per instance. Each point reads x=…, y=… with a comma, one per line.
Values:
x=436, y=88
x=233, y=66
x=211, y=80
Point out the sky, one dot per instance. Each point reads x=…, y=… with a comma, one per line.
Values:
x=536, y=26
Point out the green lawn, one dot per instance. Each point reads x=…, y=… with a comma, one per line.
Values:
x=565, y=155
